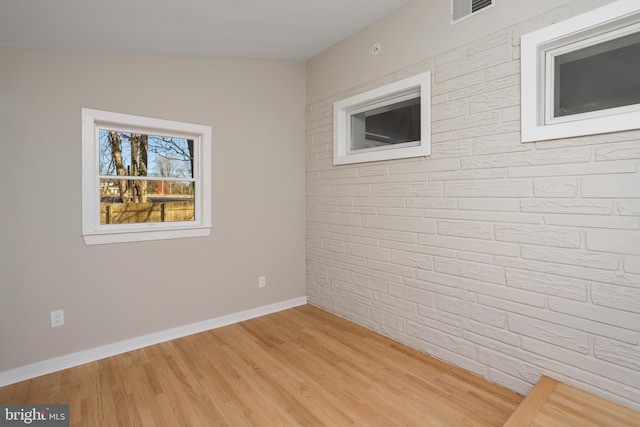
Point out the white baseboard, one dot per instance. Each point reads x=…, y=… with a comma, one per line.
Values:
x=74, y=359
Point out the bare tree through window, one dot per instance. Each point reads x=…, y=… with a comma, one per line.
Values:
x=145, y=178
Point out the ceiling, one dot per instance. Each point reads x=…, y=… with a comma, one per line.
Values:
x=259, y=29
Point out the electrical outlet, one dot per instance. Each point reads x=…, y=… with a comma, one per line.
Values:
x=57, y=318
x=262, y=281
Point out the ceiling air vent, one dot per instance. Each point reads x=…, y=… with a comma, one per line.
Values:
x=462, y=9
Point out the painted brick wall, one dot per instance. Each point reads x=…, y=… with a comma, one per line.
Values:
x=510, y=260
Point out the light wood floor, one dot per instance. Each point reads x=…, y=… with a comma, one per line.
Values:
x=302, y=366
x=554, y=404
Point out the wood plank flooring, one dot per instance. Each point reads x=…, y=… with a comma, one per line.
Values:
x=298, y=367
x=554, y=404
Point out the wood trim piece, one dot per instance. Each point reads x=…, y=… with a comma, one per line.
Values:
x=552, y=403
x=532, y=403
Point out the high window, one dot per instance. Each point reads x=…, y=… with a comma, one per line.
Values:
x=144, y=178
x=582, y=76
x=389, y=122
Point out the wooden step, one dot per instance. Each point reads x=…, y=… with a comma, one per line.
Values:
x=552, y=403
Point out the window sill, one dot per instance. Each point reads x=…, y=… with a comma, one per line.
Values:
x=104, y=238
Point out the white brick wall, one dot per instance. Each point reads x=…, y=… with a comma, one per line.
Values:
x=510, y=260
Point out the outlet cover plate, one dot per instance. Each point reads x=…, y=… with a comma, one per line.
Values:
x=57, y=318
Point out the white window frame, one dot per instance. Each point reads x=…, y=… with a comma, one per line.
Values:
x=538, y=50
x=95, y=233
x=411, y=87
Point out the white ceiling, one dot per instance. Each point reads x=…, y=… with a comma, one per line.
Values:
x=264, y=29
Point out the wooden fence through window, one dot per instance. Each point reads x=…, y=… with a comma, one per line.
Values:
x=132, y=213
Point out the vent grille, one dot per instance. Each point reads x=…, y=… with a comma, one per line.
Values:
x=461, y=9
x=477, y=5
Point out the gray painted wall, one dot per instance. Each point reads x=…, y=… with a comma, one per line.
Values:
x=121, y=291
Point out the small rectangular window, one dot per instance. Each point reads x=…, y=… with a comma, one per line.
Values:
x=597, y=77
x=582, y=76
x=392, y=124
x=389, y=122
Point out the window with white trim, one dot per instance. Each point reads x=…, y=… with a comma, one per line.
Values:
x=389, y=122
x=582, y=76
x=144, y=178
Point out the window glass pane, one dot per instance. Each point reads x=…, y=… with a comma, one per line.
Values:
x=129, y=201
x=131, y=154
x=598, y=77
x=392, y=124
x=115, y=153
